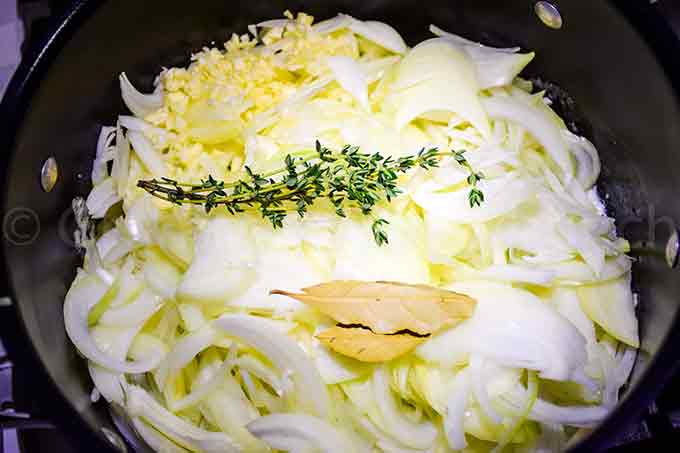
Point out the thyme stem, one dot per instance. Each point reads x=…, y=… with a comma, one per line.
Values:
x=348, y=178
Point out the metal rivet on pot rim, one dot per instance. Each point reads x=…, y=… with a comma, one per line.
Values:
x=673, y=250
x=549, y=14
x=115, y=440
x=49, y=174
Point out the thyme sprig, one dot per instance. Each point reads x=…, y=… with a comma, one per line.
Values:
x=475, y=196
x=349, y=179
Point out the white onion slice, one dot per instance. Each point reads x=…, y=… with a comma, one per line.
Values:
x=351, y=76
x=283, y=431
x=501, y=195
x=152, y=159
x=495, y=67
x=268, y=117
x=538, y=125
x=121, y=162
x=378, y=32
x=203, y=391
x=545, y=412
x=578, y=273
x=588, y=246
x=140, y=404
x=479, y=388
x=618, y=376
x=184, y=352
x=134, y=313
x=104, y=154
x=108, y=241
x=519, y=330
x=333, y=24
x=140, y=104
x=249, y=363
x=111, y=384
x=588, y=161
x=283, y=352
x=467, y=42
x=518, y=273
x=80, y=299
x=101, y=198
x=274, y=23
x=140, y=218
x=455, y=411
x=415, y=435
x=156, y=440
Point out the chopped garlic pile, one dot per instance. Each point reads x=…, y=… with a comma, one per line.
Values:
x=172, y=307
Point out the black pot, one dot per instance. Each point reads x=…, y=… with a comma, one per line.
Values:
x=617, y=61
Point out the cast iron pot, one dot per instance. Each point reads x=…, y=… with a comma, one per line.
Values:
x=609, y=70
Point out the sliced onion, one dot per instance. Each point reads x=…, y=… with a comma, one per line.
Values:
x=437, y=77
x=184, y=352
x=501, y=195
x=104, y=154
x=495, y=67
x=132, y=123
x=566, y=301
x=140, y=219
x=138, y=103
x=351, y=76
x=111, y=384
x=518, y=273
x=79, y=300
x=108, y=241
x=121, y=162
x=519, y=330
x=283, y=352
x=283, y=431
x=280, y=385
x=140, y=404
x=464, y=41
x=378, y=32
x=588, y=246
x=94, y=264
x=134, y=313
x=545, y=412
x=479, y=389
x=455, y=411
x=268, y=117
x=538, y=125
x=152, y=159
x=81, y=236
x=157, y=441
x=162, y=276
x=275, y=23
x=108, y=384
x=333, y=24
x=101, y=198
x=587, y=159
x=147, y=345
x=615, y=379
x=415, y=435
x=203, y=391
x=229, y=409
x=578, y=273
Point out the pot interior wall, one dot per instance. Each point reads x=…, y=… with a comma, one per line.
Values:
x=623, y=102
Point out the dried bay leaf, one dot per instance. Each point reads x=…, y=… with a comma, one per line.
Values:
x=387, y=307
x=366, y=346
